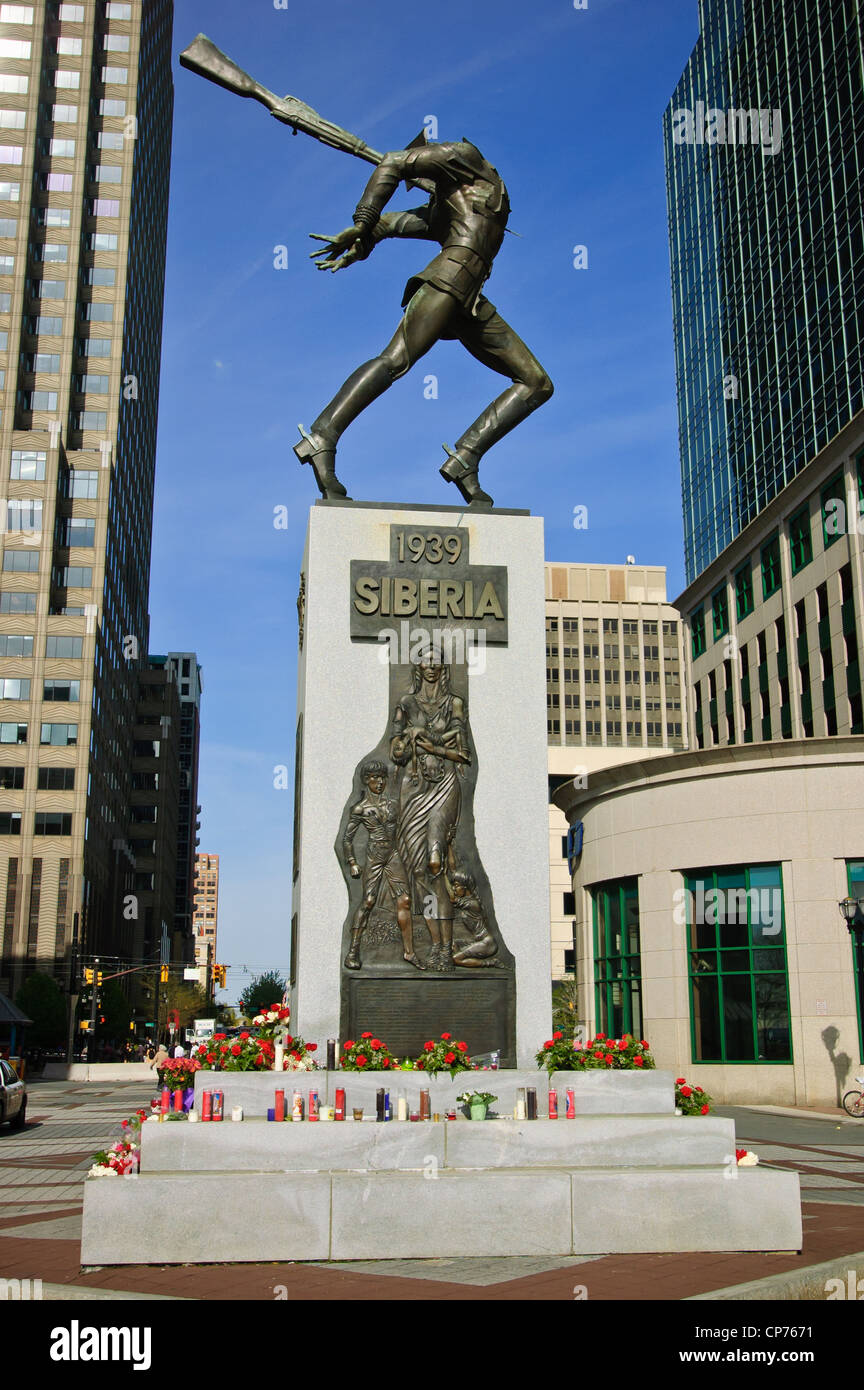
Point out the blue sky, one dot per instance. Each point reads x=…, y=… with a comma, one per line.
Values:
x=568, y=105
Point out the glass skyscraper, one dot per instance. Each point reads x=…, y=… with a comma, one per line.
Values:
x=764, y=141
x=86, y=101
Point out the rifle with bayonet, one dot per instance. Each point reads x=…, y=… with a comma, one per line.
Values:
x=203, y=57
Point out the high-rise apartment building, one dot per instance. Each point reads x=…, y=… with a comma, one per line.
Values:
x=85, y=124
x=206, y=910
x=187, y=677
x=614, y=694
x=764, y=141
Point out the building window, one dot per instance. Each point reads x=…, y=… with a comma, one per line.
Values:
x=56, y=779
x=59, y=735
x=16, y=645
x=68, y=690
x=13, y=733
x=21, y=562
x=720, y=613
x=14, y=602
x=77, y=531
x=617, y=961
x=771, y=567
x=855, y=881
x=739, y=998
x=800, y=540
x=697, y=632
x=14, y=688
x=11, y=779
x=52, y=823
x=10, y=822
x=67, y=647
x=28, y=465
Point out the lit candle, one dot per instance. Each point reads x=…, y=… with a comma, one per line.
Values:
x=278, y=1057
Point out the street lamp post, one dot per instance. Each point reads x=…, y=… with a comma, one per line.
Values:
x=853, y=915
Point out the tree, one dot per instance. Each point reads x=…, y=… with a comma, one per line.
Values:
x=565, y=1007
x=264, y=990
x=41, y=998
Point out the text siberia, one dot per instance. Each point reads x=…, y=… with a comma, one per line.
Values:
x=427, y=598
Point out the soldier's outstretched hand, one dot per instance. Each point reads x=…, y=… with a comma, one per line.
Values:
x=340, y=250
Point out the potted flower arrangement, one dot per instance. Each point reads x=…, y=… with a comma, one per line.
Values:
x=178, y=1074
x=444, y=1055
x=367, y=1054
x=250, y=1053
x=599, y=1053
x=691, y=1100
x=478, y=1103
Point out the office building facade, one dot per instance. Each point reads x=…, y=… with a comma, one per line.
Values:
x=764, y=140
x=85, y=127
x=205, y=919
x=614, y=694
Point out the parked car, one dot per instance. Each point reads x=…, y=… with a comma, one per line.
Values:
x=13, y=1097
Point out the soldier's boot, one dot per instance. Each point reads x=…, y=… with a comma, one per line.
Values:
x=506, y=412
x=352, y=960
x=461, y=469
x=318, y=446
x=316, y=449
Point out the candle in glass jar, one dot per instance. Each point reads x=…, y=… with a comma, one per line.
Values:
x=553, y=1104
x=401, y=1107
x=340, y=1104
x=165, y=1100
x=425, y=1105
x=571, y=1103
x=206, y=1104
x=379, y=1103
x=178, y=1100
x=521, y=1103
x=279, y=1057
x=532, y=1102
x=279, y=1107
x=237, y=1113
x=331, y=1054
x=193, y=1117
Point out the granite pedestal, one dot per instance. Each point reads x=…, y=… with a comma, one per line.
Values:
x=601, y=1183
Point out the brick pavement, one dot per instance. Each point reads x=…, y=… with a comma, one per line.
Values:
x=833, y=1226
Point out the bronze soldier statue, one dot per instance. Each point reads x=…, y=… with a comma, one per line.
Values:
x=467, y=215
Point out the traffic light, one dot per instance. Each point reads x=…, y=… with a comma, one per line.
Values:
x=88, y=976
x=98, y=978
x=163, y=975
x=219, y=973
x=84, y=1025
